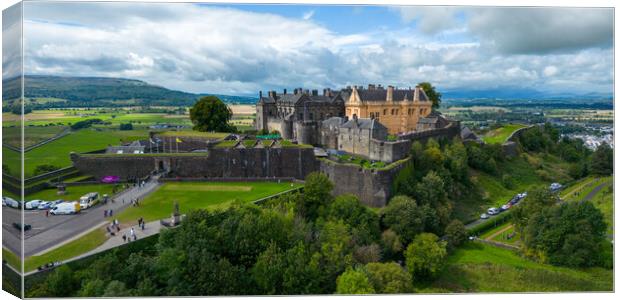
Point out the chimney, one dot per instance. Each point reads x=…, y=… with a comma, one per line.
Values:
x=371, y=87
x=325, y=92
x=307, y=92
x=315, y=92
x=260, y=94
x=390, y=93
x=380, y=87
x=284, y=91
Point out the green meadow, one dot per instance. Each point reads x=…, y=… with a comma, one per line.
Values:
x=196, y=195
x=478, y=267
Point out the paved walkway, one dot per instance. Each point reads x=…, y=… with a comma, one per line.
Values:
x=150, y=229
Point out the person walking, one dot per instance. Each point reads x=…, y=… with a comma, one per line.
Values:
x=105, y=213
x=47, y=213
x=124, y=238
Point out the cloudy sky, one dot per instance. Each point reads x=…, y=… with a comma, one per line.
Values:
x=240, y=49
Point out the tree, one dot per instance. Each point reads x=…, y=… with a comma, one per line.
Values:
x=363, y=222
x=127, y=126
x=535, y=202
x=391, y=243
x=116, y=289
x=353, y=282
x=403, y=215
x=211, y=114
x=425, y=256
x=268, y=270
x=570, y=234
x=45, y=168
x=456, y=234
x=602, y=162
x=432, y=94
x=61, y=283
x=389, y=278
x=316, y=196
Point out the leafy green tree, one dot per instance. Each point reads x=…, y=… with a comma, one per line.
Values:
x=353, y=282
x=432, y=94
x=456, y=234
x=61, y=283
x=317, y=195
x=116, y=288
x=404, y=216
x=569, y=234
x=536, y=200
x=425, y=256
x=268, y=271
x=432, y=197
x=302, y=273
x=389, y=278
x=92, y=288
x=391, y=243
x=363, y=222
x=211, y=114
x=602, y=161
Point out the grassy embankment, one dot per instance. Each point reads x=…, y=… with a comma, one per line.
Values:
x=477, y=267
x=196, y=195
x=500, y=135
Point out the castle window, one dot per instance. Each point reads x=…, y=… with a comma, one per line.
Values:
x=301, y=116
x=311, y=116
x=385, y=112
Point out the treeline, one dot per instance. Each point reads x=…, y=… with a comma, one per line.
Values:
x=310, y=243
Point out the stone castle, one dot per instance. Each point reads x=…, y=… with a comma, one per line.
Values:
x=298, y=116
x=378, y=124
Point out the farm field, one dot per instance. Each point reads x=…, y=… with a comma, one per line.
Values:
x=57, y=152
x=478, y=267
x=32, y=135
x=500, y=135
x=196, y=195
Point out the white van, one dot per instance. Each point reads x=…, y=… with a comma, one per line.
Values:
x=89, y=200
x=67, y=208
x=493, y=211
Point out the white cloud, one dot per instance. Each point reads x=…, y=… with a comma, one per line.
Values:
x=226, y=50
x=308, y=15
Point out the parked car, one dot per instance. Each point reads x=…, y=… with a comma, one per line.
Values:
x=56, y=202
x=505, y=207
x=493, y=211
x=10, y=202
x=484, y=216
x=34, y=204
x=67, y=208
x=44, y=205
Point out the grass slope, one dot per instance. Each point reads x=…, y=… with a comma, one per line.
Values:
x=74, y=248
x=500, y=135
x=195, y=195
x=478, y=267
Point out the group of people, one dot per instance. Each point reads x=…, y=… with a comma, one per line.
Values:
x=135, y=202
x=141, y=223
x=114, y=226
x=132, y=236
x=107, y=213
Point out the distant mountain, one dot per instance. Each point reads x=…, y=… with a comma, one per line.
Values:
x=105, y=91
x=511, y=93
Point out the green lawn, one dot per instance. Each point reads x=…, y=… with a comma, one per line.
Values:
x=57, y=152
x=502, y=237
x=500, y=135
x=74, y=248
x=195, y=195
x=477, y=267
x=11, y=258
x=579, y=191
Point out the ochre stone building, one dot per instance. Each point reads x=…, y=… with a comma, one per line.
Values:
x=397, y=109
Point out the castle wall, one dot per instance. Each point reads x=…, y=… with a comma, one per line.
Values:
x=372, y=187
x=449, y=132
x=389, y=151
x=255, y=162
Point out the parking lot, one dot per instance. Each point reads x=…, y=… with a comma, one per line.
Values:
x=49, y=231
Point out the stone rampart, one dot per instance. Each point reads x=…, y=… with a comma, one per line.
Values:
x=372, y=186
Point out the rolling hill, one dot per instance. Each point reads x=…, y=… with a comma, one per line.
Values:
x=103, y=91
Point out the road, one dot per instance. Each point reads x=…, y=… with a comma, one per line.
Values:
x=49, y=232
